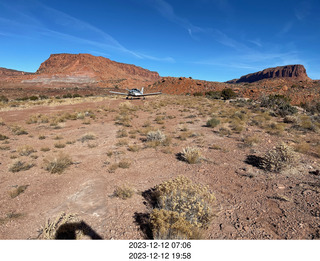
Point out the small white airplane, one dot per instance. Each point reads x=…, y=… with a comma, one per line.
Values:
x=136, y=93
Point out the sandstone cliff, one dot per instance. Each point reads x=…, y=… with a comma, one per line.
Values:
x=93, y=69
x=297, y=72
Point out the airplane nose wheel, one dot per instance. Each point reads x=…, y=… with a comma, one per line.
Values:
x=127, y=97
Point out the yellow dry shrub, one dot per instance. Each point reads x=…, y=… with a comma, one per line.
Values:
x=192, y=155
x=188, y=204
x=279, y=158
x=171, y=225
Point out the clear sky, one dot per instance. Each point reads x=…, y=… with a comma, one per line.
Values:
x=215, y=40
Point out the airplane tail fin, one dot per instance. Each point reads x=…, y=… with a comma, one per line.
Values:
x=142, y=90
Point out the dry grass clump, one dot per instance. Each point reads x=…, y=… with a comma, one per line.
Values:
x=279, y=158
x=213, y=122
x=134, y=148
x=160, y=119
x=122, y=133
x=57, y=164
x=3, y=137
x=306, y=123
x=38, y=118
x=20, y=166
x=146, y=124
x=87, y=136
x=237, y=126
x=250, y=140
x=113, y=168
x=124, y=164
x=25, y=150
x=127, y=107
x=18, y=130
x=156, y=136
x=303, y=147
x=50, y=229
x=275, y=128
x=58, y=137
x=122, y=142
x=123, y=192
x=192, y=155
x=183, y=209
x=45, y=149
x=59, y=145
x=291, y=119
x=17, y=191
x=10, y=216
x=224, y=131
x=185, y=135
x=123, y=119
x=4, y=147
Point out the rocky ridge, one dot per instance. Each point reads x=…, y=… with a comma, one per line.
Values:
x=297, y=72
x=89, y=69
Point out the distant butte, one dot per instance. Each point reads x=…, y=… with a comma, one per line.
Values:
x=297, y=72
x=93, y=69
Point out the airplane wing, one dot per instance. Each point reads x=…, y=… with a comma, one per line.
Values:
x=120, y=93
x=149, y=94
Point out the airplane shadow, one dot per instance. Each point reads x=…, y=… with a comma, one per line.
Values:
x=134, y=98
x=69, y=230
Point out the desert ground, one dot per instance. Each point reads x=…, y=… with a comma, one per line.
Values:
x=103, y=144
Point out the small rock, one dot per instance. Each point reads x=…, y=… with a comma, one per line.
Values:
x=280, y=186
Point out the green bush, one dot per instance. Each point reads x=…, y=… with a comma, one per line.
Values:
x=76, y=95
x=66, y=96
x=198, y=94
x=213, y=122
x=279, y=104
x=33, y=98
x=214, y=94
x=228, y=94
x=3, y=99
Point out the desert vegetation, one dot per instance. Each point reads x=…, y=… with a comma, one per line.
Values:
x=183, y=209
x=177, y=153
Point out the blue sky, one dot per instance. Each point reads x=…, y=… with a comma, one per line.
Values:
x=215, y=40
